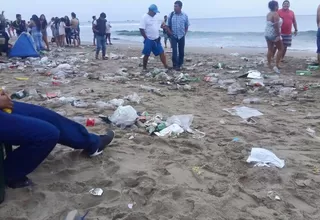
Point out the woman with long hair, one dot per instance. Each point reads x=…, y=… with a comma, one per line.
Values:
x=56, y=26
x=62, y=31
x=68, y=30
x=44, y=25
x=273, y=35
x=36, y=31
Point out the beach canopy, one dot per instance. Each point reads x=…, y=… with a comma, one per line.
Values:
x=24, y=47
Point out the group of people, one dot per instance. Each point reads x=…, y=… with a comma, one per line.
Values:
x=174, y=28
x=63, y=30
x=278, y=32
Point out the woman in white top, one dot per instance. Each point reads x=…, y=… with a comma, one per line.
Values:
x=62, y=31
x=273, y=35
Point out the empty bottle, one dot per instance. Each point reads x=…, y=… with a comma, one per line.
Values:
x=89, y=122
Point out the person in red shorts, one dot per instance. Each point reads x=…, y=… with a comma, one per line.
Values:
x=289, y=19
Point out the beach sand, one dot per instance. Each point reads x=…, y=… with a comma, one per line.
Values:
x=178, y=178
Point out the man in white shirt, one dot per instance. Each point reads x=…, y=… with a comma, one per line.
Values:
x=109, y=33
x=149, y=29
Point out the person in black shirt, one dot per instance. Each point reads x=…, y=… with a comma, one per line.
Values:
x=19, y=25
x=100, y=27
x=4, y=40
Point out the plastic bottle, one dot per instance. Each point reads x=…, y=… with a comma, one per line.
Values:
x=89, y=122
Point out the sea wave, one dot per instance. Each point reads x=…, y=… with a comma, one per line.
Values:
x=216, y=34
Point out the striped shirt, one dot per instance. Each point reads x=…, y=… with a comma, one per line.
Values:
x=179, y=24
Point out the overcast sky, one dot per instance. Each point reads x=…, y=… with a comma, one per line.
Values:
x=121, y=10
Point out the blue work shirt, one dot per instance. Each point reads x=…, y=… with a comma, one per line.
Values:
x=180, y=22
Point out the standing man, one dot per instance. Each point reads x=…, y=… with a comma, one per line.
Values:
x=318, y=33
x=20, y=25
x=289, y=19
x=94, y=34
x=4, y=39
x=178, y=27
x=108, y=36
x=75, y=29
x=149, y=29
x=100, y=28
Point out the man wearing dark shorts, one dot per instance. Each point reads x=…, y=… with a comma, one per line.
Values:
x=149, y=29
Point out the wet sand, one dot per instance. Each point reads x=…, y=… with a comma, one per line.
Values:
x=181, y=178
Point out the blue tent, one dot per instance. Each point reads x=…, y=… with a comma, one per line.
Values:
x=24, y=47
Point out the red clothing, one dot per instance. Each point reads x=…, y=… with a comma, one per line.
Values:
x=288, y=19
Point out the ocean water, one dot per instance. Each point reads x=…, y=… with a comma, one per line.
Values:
x=221, y=32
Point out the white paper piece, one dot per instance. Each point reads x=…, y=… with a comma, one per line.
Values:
x=174, y=128
x=254, y=74
x=243, y=111
x=130, y=206
x=264, y=157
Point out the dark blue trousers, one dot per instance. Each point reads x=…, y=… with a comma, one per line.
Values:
x=177, y=47
x=37, y=130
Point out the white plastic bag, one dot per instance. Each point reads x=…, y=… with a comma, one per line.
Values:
x=172, y=129
x=124, y=116
x=134, y=98
x=116, y=102
x=263, y=157
x=243, y=111
x=183, y=121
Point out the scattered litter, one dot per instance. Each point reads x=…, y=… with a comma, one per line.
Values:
x=131, y=137
x=130, y=205
x=133, y=98
x=170, y=130
x=256, y=82
x=124, y=116
x=273, y=196
x=96, y=191
x=22, y=78
x=235, y=89
x=249, y=121
x=197, y=170
x=243, y=112
x=116, y=102
x=264, y=157
x=254, y=74
x=252, y=101
x=303, y=73
x=198, y=134
x=222, y=122
x=183, y=121
x=234, y=54
x=235, y=139
x=311, y=132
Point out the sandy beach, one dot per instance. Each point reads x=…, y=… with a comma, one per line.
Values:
x=179, y=177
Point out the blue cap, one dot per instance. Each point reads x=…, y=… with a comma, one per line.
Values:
x=154, y=8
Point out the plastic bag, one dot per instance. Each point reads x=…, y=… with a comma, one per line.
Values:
x=243, y=112
x=183, y=121
x=172, y=129
x=124, y=116
x=116, y=102
x=235, y=88
x=134, y=98
x=264, y=157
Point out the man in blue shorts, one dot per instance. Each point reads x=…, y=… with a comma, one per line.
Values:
x=149, y=29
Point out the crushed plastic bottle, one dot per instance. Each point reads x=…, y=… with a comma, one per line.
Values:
x=89, y=122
